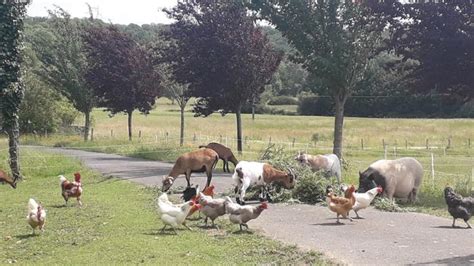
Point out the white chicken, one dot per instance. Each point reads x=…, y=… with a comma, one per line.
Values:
x=36, y=216
x=173, y=215
x=242, y=214
x=211, y=208
x=363, y=200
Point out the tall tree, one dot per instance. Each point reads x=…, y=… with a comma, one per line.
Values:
x=60, y=48
x=12, y=14
x=334, y=40
x=222, y=55
x=121, y=72
x=440, y=36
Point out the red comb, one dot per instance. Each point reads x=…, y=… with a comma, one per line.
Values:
x=264, y=205
x=77, y=177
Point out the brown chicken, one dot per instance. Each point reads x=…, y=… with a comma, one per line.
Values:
x=4, y=177
x=71, y=189
x=340, y=205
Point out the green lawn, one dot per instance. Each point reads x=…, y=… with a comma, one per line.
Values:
x=118, y=224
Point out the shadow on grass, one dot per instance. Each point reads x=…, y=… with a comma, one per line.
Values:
x=242, y=232
x=26, y=236
x=58, y=206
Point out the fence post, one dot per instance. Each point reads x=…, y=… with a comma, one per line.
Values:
x=194, y=138
x=395, y=151
x=270, y=141
x=362, y=143
x=220, y=138
x=92, y=134
x=293, y=144
x=469, y=143
x=432, y=170
x=156, y=138
x=226, y=141
x=406, y=144
x=385, y=151
x=166, y=136
x=383, y=143
x=139, y=134
x=46, y=133
x=449, y=143
x=427, y=144
x=245, y=141
x=111, y=133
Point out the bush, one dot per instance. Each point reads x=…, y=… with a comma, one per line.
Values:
x=314, y=105
x=283, y=100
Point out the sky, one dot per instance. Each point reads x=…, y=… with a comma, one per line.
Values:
x=115, y=11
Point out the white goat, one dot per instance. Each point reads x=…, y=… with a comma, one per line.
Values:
x=328, y=163
x=248, y=174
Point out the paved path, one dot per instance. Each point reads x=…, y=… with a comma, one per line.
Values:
x=381, y=238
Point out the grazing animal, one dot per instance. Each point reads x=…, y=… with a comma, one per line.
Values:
x=225, y=154
x=4, y=177
x=459, y=207
x=36, y=216
x=249, y=174
x=329, y=163
x=242, y=214
x=203, y=160
x=400, y=178
x=71, y=189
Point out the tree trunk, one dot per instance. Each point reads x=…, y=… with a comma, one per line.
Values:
x=239, y=129
x=13, y=136
x=87, y=125
x=253, y=109
x=130, y=125
x=181, y=133
x=338, y=125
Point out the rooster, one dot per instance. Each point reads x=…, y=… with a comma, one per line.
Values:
x=363, y=200
x=193, y=195
x=239, y=214
x=173, y=215
x=36, y=216
x=458, y=206
x=71, y=189
x=340, y=205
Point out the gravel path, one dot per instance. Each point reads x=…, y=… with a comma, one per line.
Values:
x=381, y=238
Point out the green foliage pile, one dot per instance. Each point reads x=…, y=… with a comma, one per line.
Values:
x=310, y=186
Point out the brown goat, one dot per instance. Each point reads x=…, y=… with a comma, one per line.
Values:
x=4, y=177
x=225, y=154
x=199, y=161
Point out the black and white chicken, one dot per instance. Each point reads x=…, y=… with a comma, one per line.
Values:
x=459, y=207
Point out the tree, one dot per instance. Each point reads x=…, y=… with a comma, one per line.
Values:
x=440, y=37
x=12, y=14
x=334, y=41
x=222, y=55
x=60, y=48
x=121, y=72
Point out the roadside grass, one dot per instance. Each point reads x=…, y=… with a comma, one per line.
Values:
x=118, y=224
x=159, y=140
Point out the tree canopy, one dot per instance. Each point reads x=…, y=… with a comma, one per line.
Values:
x=120, y=72
x=221, y=54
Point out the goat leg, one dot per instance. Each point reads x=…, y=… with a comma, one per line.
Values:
x=468, y=225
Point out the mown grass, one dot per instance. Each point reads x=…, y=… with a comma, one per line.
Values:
x=117, y=225
x=402, y=137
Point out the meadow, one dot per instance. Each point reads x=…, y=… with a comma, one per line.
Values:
x=118, y=224
x=443, y=146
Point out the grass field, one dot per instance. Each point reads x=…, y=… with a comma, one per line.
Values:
x=117, y=225
x=159, y=140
